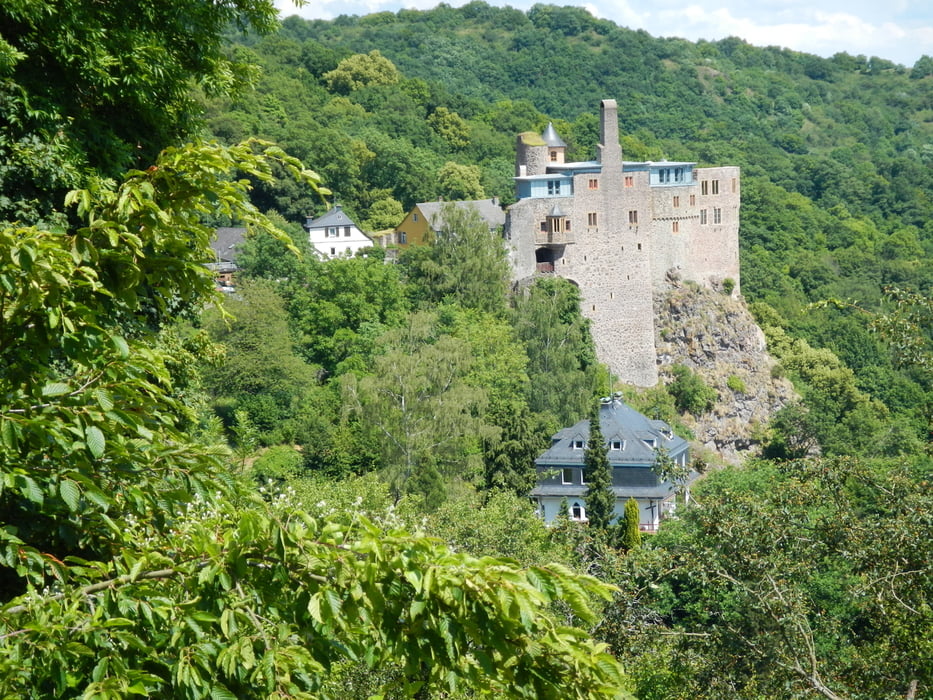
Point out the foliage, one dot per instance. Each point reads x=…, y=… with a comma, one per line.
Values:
x=276, y=588
x=90, y=88
x=799, y=579
x=460, y=182
x=466, y=265
x=261, y=372
x=691, y=394
x=361, y=70
x=90, y=420
x=416, y=404
x=561, y=357
x=630, y=534
x=600, y=498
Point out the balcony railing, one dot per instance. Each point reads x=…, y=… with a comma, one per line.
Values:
x=553, y=238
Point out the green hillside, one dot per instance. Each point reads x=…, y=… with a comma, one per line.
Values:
x=835, y=153
x=317, y=485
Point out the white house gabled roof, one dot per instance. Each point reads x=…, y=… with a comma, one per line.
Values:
x=335, y=217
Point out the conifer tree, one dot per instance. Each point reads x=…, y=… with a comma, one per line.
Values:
x=630, y=536
x=600, y=500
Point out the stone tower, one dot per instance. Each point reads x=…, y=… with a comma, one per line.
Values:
x=619, y=230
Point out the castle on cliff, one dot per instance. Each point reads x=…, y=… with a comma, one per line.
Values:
x=620, y=231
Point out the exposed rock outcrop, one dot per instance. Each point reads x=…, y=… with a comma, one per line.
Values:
x=717, y=337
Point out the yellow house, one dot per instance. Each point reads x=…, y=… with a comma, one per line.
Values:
x=419, y=225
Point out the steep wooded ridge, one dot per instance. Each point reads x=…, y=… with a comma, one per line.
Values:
x=837, y=185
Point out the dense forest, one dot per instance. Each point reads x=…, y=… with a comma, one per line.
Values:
x=317, y=486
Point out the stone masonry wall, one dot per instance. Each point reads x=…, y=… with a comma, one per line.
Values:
x=624, y=243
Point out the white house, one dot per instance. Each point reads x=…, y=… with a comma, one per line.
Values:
x=633, y=443
x=334, y=234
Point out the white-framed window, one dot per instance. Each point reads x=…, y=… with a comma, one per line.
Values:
x=583, y=476
x=650, y=442
x=577, y=511
x=579, y=445
x=414, y=217
x=553, y=187
x=717, y=215
x=402, y=238
x=616, y=444
x=566, y=475
x=331, y=231
x=703, y=216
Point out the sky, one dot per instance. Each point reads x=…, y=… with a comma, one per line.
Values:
x=897, y=30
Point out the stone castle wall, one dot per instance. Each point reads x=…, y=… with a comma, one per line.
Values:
x=623, y=243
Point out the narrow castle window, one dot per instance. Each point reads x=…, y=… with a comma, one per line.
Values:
x=594, y=183
x=704, y=187
x=717, y=216
x=735, y=185
x=633, y=216
x=629, y=181
x=553, y=156
x=715, y=184
x=693, y=200
x=591, y=218
x=675, y=227
x=676, y=202
x=703, y=217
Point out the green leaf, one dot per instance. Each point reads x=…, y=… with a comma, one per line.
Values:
x=55, y=389
x=95, y=440
x=218, y=692
x=70, y=494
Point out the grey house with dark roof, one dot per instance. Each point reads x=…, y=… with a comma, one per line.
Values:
x=633, y=442
x=225, y=244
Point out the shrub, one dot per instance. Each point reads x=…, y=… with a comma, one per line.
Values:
x=691, y=394
x=736, y=384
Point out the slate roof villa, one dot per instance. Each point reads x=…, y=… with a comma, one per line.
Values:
x=633, y=441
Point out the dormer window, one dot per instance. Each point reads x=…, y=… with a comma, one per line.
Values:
x=566, y=476
x=615, y=444
x=651, y=442
x=579, y=445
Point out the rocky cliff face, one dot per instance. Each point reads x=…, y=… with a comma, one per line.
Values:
x=717, y=337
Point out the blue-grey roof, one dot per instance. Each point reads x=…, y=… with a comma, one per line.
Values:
x=226, y=242
x=489, y=210
x=552, y=138
x=335, y=217
x=620, y=423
